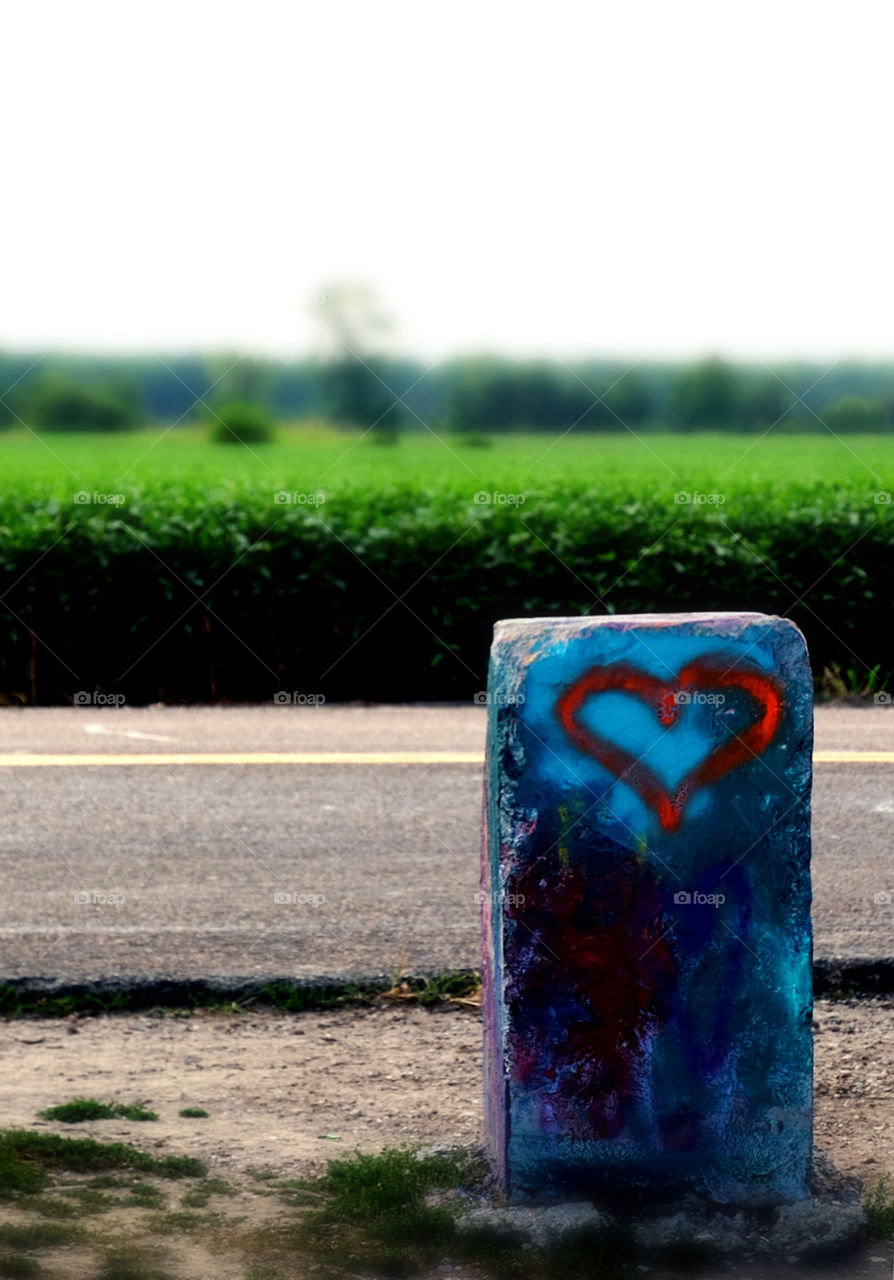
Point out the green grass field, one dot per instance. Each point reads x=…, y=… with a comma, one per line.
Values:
x=310, y=459
x=163, y=566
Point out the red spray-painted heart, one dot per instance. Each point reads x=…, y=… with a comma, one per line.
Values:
x=697, y=676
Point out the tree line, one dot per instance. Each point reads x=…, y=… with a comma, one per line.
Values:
x=484, y=394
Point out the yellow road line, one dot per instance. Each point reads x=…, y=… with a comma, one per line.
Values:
x=246, y=757
x=24, y=761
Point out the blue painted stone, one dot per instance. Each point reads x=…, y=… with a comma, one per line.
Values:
x=646, y=890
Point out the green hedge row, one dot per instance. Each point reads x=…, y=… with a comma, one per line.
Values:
x=392, y=595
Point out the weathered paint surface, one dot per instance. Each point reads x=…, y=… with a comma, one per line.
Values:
x=646, y=888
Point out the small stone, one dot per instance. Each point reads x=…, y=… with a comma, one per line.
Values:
x=657, y=1235
x=810, y=1229
x=542, y=1226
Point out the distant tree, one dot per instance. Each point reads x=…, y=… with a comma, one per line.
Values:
x=631, y=398
x=7, y=379
x=854, y=413
x=243, y=380
x=537, y=395
x=619, y=400
x=707, y=396
x=240, y=423
x=354, y=370
x=767, y=403
x=477, y=393
x=58, y=405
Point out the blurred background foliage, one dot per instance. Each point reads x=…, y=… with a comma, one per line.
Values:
x=367, y=388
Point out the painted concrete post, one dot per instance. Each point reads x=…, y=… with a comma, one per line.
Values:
x=646, y=890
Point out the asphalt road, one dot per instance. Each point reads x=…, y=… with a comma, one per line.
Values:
x=238, y=870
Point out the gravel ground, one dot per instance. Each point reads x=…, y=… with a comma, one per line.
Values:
x=285, y=1093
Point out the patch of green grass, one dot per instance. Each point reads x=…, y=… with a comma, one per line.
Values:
x=448, y=986
x=82, y=1109
x=79, y=1200
x=18, y=1176
x=49, y=1207
x=89, y=1200
x=879, y=1209
x=37, y=1235
x=194, y=1113
x=180, y=1220
x=292, y=998
x=78, y=1109
x=20, y=1004
x=377, y=1213
x=300, y=1193
x=143, y=1195
x=197, y=1197
x=28, y=1155
x=179, y=1000
x=18, y=1264
x=375, y=1216
x=131, y=1263
x=218, y=1187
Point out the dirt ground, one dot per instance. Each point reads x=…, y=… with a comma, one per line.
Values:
x=285, y=1093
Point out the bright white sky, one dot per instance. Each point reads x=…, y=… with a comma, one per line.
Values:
x=596, y=177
